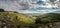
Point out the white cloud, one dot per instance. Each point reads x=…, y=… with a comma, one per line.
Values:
x=21, y=5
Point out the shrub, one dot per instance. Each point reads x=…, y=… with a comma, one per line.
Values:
x=38, y=20
x=1, y=10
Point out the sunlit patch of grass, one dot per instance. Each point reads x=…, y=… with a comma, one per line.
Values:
x=21, y=18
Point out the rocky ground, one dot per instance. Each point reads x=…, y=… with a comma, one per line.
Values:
x=6, y=21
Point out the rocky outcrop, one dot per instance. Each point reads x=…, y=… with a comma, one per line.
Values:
x=6, y=21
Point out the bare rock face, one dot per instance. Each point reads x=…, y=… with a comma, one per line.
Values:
x=7, y=22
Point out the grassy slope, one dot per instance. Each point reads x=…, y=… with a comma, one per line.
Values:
x=20, y=17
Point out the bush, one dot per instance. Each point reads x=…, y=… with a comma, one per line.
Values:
x=1, y=10
x=38, y=20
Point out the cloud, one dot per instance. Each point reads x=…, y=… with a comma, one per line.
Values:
x=55, y=3
x=15, y=4
x=23, y=6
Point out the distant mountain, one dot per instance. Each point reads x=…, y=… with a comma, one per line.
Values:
x=44, y=8
x=56, y=12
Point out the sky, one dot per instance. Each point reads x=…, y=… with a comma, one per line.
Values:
x=30, y=6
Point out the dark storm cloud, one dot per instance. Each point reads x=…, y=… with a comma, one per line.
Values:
x=52, y=1
x=41, y=2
